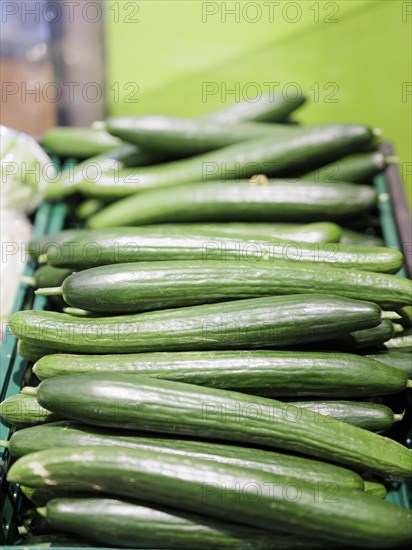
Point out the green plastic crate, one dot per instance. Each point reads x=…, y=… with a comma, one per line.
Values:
x=51, y=218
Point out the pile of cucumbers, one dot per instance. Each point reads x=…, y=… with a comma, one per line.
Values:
x=216, y=364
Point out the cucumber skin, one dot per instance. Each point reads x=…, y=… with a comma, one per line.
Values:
x=122, y=523
x=269, y=107
x=261, y=322
x=396, y=359
x=59, y=540
x=359, y=168
x=213, y=201
x=185, y=136
x=39, y=245
x=185, y=409
x=353, y=237
x=32, y=352
x=49, y=276
x=362, y=340
x=79, y=142
x=217, y=491
x=270, y=373
x=369, y=416
x=243, y=160
x=24, y=410
x=145, y=286
x=323, y=232
x=72, y=435
x=376, y=489
x=121, y=245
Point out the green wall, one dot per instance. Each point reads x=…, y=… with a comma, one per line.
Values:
x=352, y=58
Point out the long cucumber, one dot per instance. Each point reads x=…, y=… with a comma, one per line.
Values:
x=185, y=136
x=127, y=524
x=359, y=168
x=397, y=359
x=145, y=286
x=141, y=403
x=79, y=142
x=261, y=156
x=93, y=167
x=361, y=340
x=369, y=416
x=121, y=245
x=244, y=495
x=311, y=233
x=270, y=107
x=274, y=321
x=278, y=200
x=282, y=373
x=24, y=410
x=71, y=435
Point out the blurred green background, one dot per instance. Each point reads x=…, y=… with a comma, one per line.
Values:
x=352, y=59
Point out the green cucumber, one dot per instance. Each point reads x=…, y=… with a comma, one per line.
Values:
x=260, y=156
x=278, y=200
x=71, y=435
x=78, y=142
x=31, y=351
x=148, y=404
x=145, y=286
x=376, y=489
x=39, y=245
x=359, y=168
x=185, y=136
x=327, y=232
x=126, y=524
x=24, y=410
x=244, y=495
x=361, y=340
x=278, y=321
x=369, y=416
x=397, y=359
x=89, y=207
x=270, y=107
x=143, y=244
x=354, y=237
x=275, y=373
x=48, y=276
x=110, y=161
x=402, y=343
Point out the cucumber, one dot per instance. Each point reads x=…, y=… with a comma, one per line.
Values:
x=354, y=237
x=89, y=207
x=113, y=160
x=311, y=233
x=223, y=491
x=148, y=404
x=78, y=142
x=71, y=435
x=376, y=489
x=369, y=416
x=39, y=245
x=24, y=410
x=262, y=322
x=126, y=524
x=48, y=276
x=271, y=107
x=396, y=359
x=122, y=244
x=31, y=351
x=401, y=343
x=145, y=286
x=278, y=200
x=359, y=168
x=282, y=373
x=185, y=136
x=260, y=156
x=361, y=340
